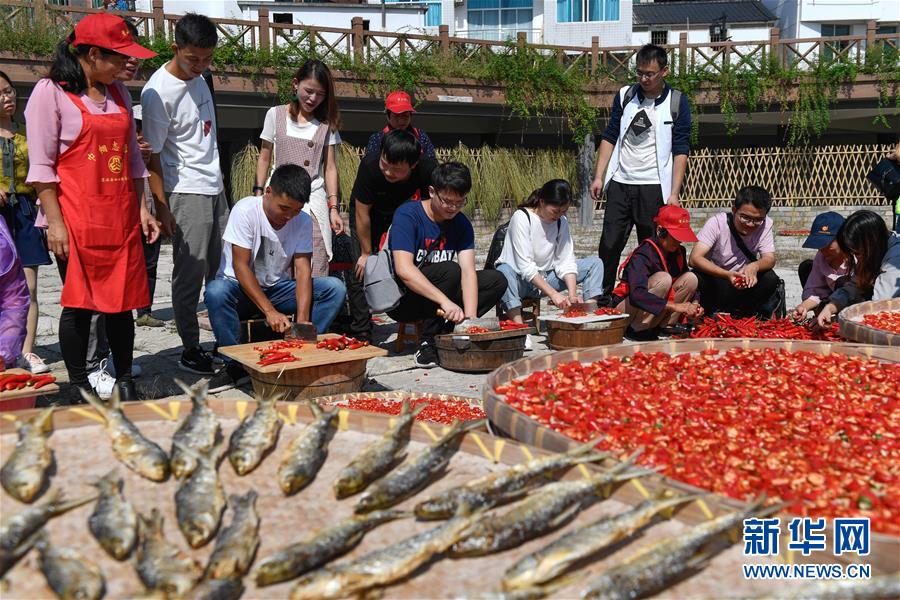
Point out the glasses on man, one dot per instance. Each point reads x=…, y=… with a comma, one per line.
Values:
x=646, y=74
x=10, y=93
x=451, y=205
x=750, y=221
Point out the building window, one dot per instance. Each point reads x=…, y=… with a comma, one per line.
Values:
x=577, y=11
x=833, y=48
x=659, y=38
x=433, y=16
x=283, y=18
x=499, y=19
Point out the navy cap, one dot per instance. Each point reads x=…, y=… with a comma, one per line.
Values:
x=824, y=230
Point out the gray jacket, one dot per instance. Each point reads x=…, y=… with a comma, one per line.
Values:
x=887, y=285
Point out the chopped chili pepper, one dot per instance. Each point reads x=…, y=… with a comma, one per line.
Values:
x=510, y=325
x=886, y=320
x=605, y=310
x=437, y=410
x=477, y=329
x=341, y=343
x=816, y=431
x=572, y=314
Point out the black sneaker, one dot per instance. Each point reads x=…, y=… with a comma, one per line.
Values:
x=426, y=356
x=232, y=376
x=197, y=360
x=648, y=335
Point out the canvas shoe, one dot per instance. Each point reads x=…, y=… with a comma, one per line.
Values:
x=102, y=382
x=32, y=362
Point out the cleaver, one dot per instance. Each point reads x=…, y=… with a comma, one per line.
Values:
x=301, y=331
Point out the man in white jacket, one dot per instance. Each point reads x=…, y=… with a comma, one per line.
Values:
x=642, y=157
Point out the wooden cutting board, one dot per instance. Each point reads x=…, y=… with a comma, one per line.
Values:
x=27, y=392
x=309, y=355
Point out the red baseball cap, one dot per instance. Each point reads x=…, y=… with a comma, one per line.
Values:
x=677, y=221
x=109, y=32
x=398, y=102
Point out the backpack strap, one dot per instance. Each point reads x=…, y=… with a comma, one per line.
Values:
x=629, y=94
x=675, y=103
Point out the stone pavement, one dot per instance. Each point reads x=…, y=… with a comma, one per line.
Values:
x=157, y=350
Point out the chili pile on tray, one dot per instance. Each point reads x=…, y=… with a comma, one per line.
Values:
x=889, y=321
x=821, y=432
x=437, y=411
x=725, y=326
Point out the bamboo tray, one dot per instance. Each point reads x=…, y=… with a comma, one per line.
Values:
x=286, y=520
x=852, y=327
x=885, y=556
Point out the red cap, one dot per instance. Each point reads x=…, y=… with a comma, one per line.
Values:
x=398, y=102
x=677, y=221
x=109, y=32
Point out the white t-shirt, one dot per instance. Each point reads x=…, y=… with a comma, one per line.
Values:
x=179, y=123
x=303, y=131
x=637, y=157
x=535, y=246
x=272, y=250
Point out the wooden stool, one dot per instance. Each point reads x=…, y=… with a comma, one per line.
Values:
x=531, y=310
x=403, y=335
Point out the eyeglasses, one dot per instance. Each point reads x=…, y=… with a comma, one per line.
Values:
x=750, y=220
x=10, y=93
x=451, y=205
x=646, y=74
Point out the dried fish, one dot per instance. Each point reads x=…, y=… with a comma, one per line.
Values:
x=255, y=436
x=19, y=527
x=160, y=565
x=236, y=545
x=199, y=431
x=307, y=453
x=68, y=573
x=200, y=499
x=114, y=520
x=25, y=472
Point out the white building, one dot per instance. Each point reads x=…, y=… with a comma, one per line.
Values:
x=800, y=19
x=704, y=22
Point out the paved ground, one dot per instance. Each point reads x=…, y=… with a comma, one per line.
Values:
x=157, y=349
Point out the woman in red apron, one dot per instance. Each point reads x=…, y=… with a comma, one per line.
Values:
x=86, y=167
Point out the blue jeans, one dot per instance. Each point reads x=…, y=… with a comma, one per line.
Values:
x=227, y=304
x=589, y=276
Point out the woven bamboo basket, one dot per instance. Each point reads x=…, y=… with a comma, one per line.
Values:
x=852, y=327
x=885, y=556
x=285, y=520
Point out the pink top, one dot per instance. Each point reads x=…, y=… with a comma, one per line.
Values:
x=723, y=249
x=823, y=278
x=53, y=123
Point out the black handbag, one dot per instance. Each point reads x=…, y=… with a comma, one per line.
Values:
x=886, y=177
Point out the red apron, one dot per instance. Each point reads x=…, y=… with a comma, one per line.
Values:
x=105, y=271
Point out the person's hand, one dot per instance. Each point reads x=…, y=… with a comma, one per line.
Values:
x=686, y=308
x=149, y=226
x=145, y=147
x=58, y=239
x=895, y=154
x=674, y=200
x=166, y=220
x=3, y=197
x=826, y=315
x=737, y=280
x=452, y=312
x=597, y=188
x=560, y=301
x=277, y=322
x=360, y=268
x=749, y=272
x=799, y=313
x=337, y=223
x=698, y=312
x=575, y=299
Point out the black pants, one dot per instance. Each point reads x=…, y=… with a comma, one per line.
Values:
x=98, y=342
x=803, y=271
x=447, y=277
x=360, y=316
x=74, y=332
x=627, y=206
x=151, y=258
x=718, y=295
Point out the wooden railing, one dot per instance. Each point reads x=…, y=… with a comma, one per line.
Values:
x=358, y=45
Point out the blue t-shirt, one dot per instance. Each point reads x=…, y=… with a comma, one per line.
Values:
x=413, y=232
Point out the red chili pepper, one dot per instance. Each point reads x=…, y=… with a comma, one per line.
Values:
x=604, y=310
x=438, y=411
x=477, y=329
x=571, y=314
x=815, y=431
x=725, y=326
x=42, y=380
x=886, y=320
x=510, y=325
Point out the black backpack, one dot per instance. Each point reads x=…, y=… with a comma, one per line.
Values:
x=496, y=247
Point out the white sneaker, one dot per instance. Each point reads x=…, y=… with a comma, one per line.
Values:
x=529, y=345
x=136, y=370
x=102, y=382
x=33, y=363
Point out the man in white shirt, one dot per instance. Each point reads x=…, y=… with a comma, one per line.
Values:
x=266, y=237
x=179, y=123
x=642, y=157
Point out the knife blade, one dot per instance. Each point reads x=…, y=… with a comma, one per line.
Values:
x=301, y=331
